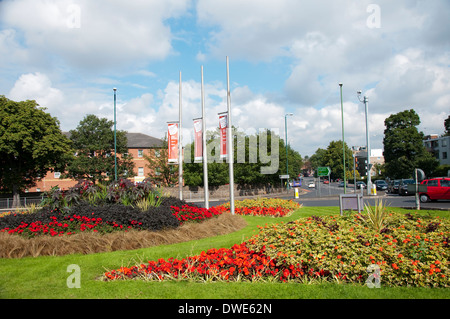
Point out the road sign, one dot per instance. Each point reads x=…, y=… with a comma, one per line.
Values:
x=323, y=171
x=284, y=176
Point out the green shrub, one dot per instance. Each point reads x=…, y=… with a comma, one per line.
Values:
x=409, y=250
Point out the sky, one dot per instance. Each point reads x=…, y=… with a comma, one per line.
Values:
x=285, y=56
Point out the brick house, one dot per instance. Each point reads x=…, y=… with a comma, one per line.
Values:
x=138, y=145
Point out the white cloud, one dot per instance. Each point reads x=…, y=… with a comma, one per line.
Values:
x=109, y=32
x=37, y=86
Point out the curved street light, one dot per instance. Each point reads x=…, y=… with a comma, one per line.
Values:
x=365, y=100
x=343, y=142
x=286, y=146
x=115, y=138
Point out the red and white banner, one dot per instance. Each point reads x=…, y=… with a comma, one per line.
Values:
x=198, y=141
x=223, y=125
x=172, y=139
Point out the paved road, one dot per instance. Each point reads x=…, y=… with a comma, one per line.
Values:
x=328, y=195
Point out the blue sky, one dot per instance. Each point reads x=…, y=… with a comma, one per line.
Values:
x=285, y=56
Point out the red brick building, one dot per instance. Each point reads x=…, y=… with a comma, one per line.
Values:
x=138, y=145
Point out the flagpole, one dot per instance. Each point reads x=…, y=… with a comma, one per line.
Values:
x=180, y=148
x=205, y=156
x=230, y=142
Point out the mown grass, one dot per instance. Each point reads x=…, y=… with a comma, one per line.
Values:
x=46, y=277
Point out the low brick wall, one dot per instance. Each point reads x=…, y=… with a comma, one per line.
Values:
x=223, y=191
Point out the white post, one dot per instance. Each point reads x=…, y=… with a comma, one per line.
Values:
x=230, y=142
x=180, y=147
x=205, y=157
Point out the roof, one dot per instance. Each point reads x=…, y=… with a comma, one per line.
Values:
x=138, y=140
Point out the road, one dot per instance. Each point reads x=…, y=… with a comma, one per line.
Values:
x=328, y=195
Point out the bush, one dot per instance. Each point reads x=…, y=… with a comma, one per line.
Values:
x=103, y=218
x=274, y=207
x=409, y=251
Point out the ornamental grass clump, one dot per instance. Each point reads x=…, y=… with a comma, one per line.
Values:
x=376, y=215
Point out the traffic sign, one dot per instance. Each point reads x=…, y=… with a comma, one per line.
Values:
x=323, y=171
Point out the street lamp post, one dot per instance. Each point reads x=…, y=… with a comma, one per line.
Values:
x=115, y=138
x=286, y=146
x=343, y=142
x=365, y=100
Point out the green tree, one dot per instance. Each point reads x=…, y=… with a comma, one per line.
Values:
x=317, y=159
x=163, y=173
x=447, y=126
x=93, y=141
x=252, y=165
x=403, y=146
x=31, y=144
x=333, y=158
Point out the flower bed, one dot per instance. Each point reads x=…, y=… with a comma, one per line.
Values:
x=274, y=207
x=102, y=219
x=410, y=251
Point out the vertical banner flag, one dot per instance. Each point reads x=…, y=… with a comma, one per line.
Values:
x=223, y=125
x=172, y=140
x=198, y=141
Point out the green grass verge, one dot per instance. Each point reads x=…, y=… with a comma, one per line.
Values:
x=46, y=277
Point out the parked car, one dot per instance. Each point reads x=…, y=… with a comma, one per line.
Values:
x=361, y=185
x=403, y=187
x=311, y=185
x=326, y=181
x=341, y=184
x=437, y=188
x=381, y=185
x=393, y=186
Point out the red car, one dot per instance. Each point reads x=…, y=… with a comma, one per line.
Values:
x=437, y=188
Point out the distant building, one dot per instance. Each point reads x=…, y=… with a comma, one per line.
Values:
x=138, y=145
x=439, y=147
x=376, y=157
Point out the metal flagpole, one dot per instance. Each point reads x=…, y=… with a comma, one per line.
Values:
x=205, y=157
x=180, y=148
x=230, y=142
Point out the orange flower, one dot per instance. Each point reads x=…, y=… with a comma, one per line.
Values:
x=394, y=266
x=339, y=256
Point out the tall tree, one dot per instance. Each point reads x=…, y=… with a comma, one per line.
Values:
x=31, y=144
x=161, y=172
x=93, y=141
x=403, y=146
x=258, y=159
x=447, y=126
x=333, y=158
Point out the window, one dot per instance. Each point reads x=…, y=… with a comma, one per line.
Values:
x=157, y=171
x=445, y=182
x=57, y=174
x=140, y=153
x=157, y=153
x=444, y=155
x=140, y=171
x=433, y=182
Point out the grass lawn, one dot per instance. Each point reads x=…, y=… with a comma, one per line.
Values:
x=46, y=277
